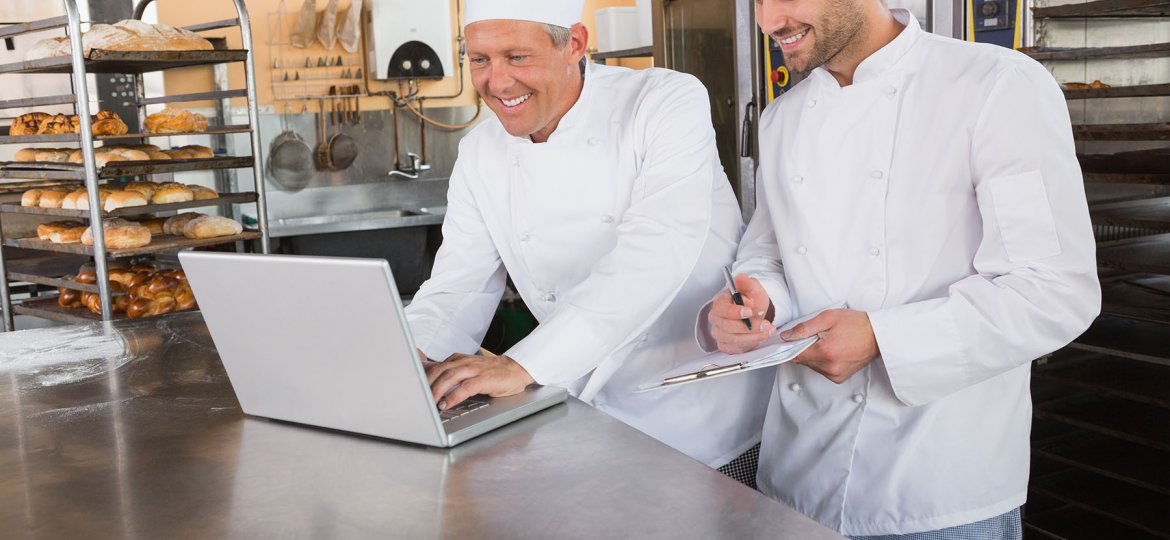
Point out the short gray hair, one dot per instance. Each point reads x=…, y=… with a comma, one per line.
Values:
x=559, y=34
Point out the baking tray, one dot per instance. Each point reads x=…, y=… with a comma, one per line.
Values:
x=1134, y=51
x=1143, y=90
x=47, y=308
x=76, y=137
x=1122, y=132
x=1156, y=161
x=1106, y=8
x=34, y=170
x=128, y=62
x=1151, y=214
x=225, y=198
x=158, y=243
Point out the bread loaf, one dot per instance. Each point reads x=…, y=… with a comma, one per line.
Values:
x=123, y=199
x=51, y=198
x=146, y=188
x=201, y=193
x=126, y=35
x=103, y=196
x=28, y=124
x=68, y=298
x=31, y=197
x=175, y=121
x=172, y=192
x=120, y=234
x=211, y=227
x=70, y=235
x=155, y=225
x=174, y=224
x=45, y=230
x=193, y=151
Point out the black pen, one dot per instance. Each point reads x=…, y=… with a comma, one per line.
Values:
x=735, y=296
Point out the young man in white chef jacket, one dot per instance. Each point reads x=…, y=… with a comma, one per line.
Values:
x=931, y=186
x=599, y=191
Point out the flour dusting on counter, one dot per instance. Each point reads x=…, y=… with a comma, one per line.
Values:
x=62, y=355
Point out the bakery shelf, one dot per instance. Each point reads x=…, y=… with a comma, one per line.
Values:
x=1133, y=506
x=1145, y=90
x=1154, y=50
x=1127, y=178
x=116, y=169
x=1126, y=338
x=226, y=198
x=637, y=52
x=1108, y=375
x=47, y=308
x=158, y=243
x=1142, y=254
x=213, y=25
x=76, y=138
x=1106, y=8
x=1117, y=459
x=197, y=96
x=1155, y=161
x=19, y=186
x=1107, y=415
x=34, y=26
x=66, y=99
x=1153, y=214
x=1050, y=518
x=1143, y=297
x=129, y=62
x=1122, y=132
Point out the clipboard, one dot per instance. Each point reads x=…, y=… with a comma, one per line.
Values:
x=773, y=352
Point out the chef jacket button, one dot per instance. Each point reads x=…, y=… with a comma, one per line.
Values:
x=875, y=174
x=858, y=398
x=549, y=297
x=644, y=338
x=875, y=251
x=812, y=103
x=890, y=90
x=593, y=141
x=801, y=250
x=607, y=219
x=798, y=179
x=795, y=387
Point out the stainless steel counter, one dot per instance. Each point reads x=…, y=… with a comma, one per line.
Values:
x=132, y=431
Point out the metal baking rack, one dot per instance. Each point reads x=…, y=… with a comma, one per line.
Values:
x=303, y=74
x=1098, y=450
x=78, y=64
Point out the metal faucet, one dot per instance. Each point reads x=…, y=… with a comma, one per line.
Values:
x=416, y=167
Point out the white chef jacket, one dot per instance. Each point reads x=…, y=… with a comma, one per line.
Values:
x=940, y=193
x=614, y=232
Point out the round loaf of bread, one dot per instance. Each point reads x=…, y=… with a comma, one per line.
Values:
x=51, y=198
x=174, y=224
x=31, y=197
x=120, y=234
x=123, y=199
x=172, y=192
x=146, y=188
x=211, y=227
x=202, y=193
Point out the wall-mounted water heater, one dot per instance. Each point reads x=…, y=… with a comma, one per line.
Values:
x=410, y=39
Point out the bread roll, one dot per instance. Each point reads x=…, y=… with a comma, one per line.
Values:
x=103, y=196
x=175, y=121
x=51, y=198
x=52, y=155
x=120, y=300
x=193, y=151
x=28, y=124
x=202, y=193
x=44, y=230
x=120, y=234
x=109, y=126
x=123, y=199
x=146, y=188
x=71, y=235
x=211, y=227
x=174, y=224
x=26, y=154
x=154, y=224
x=68, y=298
x=31, y=197
x=172, y=192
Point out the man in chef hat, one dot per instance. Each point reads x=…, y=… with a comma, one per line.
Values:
x=930, y=186
x=599, y=191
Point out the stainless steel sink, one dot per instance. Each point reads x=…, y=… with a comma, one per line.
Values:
x=380, y=219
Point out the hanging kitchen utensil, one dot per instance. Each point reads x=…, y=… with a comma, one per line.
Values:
x=327, y=27
x=305, y=26
x=342, y=148
x=290, y=160
x=323, y=158
x=350, y=30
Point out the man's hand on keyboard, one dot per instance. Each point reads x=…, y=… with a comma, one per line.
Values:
x=462, y=376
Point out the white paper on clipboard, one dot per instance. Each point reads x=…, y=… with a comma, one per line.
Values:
x=773, y=352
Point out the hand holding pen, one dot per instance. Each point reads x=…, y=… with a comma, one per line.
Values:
x=738, y=315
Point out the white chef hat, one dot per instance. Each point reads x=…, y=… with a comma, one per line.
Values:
x=564, y=13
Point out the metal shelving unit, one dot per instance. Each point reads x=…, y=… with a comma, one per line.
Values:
x=78, y=64
x=1100, y=446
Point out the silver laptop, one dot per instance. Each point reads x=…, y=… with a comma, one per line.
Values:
x=323, y=341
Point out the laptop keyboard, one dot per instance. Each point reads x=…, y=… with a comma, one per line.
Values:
x=462, y=409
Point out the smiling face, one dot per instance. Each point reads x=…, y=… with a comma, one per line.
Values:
x=526, y=79
x=812, y=33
